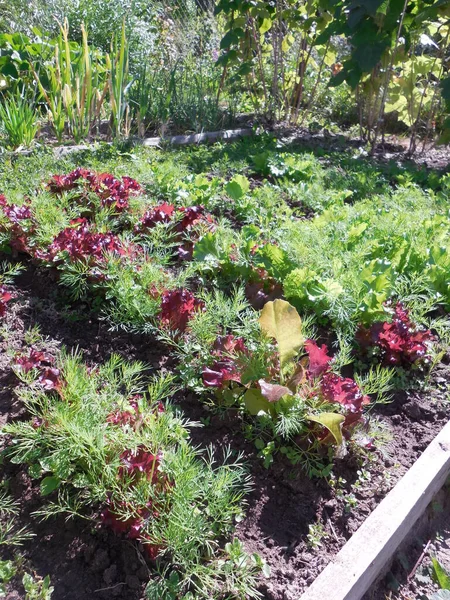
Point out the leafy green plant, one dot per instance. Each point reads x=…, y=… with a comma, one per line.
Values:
x=117, y=65
x=291, y=397
x=316, y=535
x=75, y=89
x=37, y=588
x=18, y=118
x=8, y=570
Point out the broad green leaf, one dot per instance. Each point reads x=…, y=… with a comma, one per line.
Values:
x=207, y=249
x=49, y=484
x=245, y=69
x=275, y=260
x=440, y=575
x=356, y=231
x=231, y=38
x=445, y=87
x=332, y=421
x=35, y=471
x=237, y=187
x=332, y=288
x=7, y=570
x=28, y=582
x=330, y=58
x=369, y=55
x=287, y=42
x=255, y=402
x=265, y=25
x=281, y=321
x=445, y=137
x=234, y=190
x=376, y=275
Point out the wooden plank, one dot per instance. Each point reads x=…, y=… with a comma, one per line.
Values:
x=361, y=560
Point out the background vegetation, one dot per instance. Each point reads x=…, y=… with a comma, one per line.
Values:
x=107, y=68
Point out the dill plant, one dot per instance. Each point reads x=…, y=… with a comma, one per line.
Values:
x=82, y=438
x=11, y=534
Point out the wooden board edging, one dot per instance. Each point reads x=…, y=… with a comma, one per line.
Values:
x=350, y=574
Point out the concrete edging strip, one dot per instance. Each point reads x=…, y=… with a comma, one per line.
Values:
x=197, y=138
x=176, y=140
x=350, y=574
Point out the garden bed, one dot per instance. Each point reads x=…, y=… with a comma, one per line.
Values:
x=284, y=507
x=193, y=263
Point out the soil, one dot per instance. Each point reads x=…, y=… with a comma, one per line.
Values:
x=392, y=148
x=84, y=561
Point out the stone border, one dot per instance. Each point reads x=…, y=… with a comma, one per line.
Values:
x=357, y=565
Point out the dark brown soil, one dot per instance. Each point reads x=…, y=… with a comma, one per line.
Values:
x=82, y=560
x=394, y=147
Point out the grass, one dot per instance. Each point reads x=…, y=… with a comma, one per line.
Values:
x=18, y=119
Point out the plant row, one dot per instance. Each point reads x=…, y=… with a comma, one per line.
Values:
x=164, y=269
x=108, y=448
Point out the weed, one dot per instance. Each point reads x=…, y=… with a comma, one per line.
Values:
x=10, y=533
x=316, y=535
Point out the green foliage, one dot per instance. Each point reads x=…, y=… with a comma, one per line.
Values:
x=18, y=119
x=7, y=570
x=118, y=86
x=338, y=267
x=331, y=421
x=181, y=98
x=37, y=588
x=350, y=257
x=281, y=321
x=237, y=187
x=79, y=451
x=10, y=533
x=440, y=575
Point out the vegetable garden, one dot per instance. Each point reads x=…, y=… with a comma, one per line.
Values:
x=302, y=336
x=217, y=360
